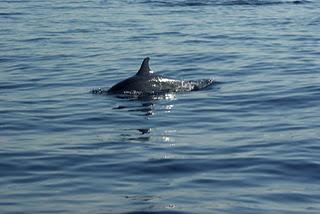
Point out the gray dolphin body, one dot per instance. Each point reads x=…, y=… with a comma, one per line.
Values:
x=146, y=82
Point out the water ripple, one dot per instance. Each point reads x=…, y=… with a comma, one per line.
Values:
x=249, y=144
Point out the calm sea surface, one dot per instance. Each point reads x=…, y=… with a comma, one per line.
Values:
x=249, y=144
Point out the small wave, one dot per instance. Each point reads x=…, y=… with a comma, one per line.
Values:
x=190, y=3
x=136, y=95
x=157, y=212
x=265, y=2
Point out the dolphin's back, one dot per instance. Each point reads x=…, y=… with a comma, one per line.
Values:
x=146, y=82
x=130, y=84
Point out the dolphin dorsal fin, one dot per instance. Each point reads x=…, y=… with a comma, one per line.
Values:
x=144, y=69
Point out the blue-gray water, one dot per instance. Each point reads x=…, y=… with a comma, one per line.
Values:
x=249, y=144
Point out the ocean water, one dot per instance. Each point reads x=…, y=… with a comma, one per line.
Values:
x=248, y=144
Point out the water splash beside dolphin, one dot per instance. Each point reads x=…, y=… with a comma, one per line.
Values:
x=146, y=83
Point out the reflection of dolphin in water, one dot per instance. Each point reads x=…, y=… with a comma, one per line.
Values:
x=145, y=82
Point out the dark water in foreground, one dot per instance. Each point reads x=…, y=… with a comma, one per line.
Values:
x=249, y=144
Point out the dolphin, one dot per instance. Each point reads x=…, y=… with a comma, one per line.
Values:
x=146, y=82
